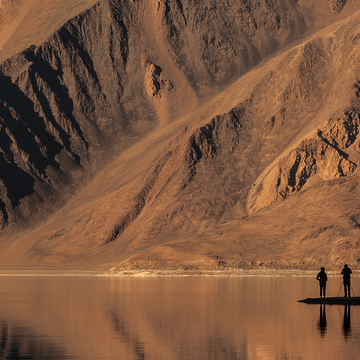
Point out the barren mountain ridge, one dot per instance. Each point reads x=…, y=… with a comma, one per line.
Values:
x=179, y=134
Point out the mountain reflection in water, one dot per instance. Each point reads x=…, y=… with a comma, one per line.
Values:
x=132, y=339
x=173, y=318
x=19, y=342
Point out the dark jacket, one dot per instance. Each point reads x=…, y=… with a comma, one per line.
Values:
x=345, y=272
x=322, y=277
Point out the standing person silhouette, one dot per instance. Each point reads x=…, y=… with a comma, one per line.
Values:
x=345, y=272
x=322, y=277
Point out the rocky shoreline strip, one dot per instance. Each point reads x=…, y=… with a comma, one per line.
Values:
x=252, y=272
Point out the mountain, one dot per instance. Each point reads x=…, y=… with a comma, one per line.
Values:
x=179, y=134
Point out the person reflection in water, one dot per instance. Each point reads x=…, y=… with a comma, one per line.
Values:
x=345, y=272
x=346, y=322
x=322, y=321
x=322, y=278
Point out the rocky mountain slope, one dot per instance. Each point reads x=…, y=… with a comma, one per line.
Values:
x=181, y=134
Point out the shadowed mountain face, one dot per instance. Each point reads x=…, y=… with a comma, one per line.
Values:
x=181, y=133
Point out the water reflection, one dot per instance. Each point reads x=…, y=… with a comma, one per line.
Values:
x=346, y=323
x=171, y=334
x=322, y=324
x=19, y=342
x=129, y=337
x=219, y=318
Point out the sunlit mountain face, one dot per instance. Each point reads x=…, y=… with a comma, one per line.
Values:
x=179, y=134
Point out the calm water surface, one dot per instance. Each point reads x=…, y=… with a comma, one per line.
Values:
x=250, y=317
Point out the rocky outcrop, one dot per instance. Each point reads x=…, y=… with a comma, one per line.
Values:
x=337, y=5
x=155, y=82
x=324, y=155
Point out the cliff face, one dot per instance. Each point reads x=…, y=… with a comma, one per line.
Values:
x=57, y=107
x=96, y=81
x=269, y=107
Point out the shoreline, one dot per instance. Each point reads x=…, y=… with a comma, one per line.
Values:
x=172, y=273
x=251, y=272
x=41, y=272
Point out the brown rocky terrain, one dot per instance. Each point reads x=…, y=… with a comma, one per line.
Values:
x=179, y=134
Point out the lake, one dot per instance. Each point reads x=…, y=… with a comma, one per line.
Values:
x=202, y=317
